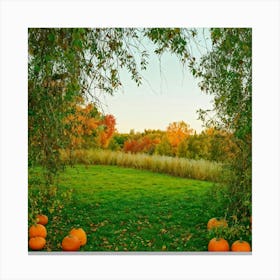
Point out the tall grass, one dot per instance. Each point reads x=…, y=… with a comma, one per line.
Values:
x=187, y=168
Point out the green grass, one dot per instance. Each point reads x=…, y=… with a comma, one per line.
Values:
x=124, y=209
x=181, y=167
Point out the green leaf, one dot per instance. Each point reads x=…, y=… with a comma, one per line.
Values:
x=51, y=37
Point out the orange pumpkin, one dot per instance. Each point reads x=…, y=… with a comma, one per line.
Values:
x=80, y=233
x=240, y=246
x=42, y=219
x=70, y=243
x=37, y=243
x=214, y=222
x=37, y=230
x=218, y=245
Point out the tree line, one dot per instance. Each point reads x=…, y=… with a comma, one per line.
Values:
x=89, y=129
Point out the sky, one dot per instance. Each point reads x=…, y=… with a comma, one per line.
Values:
x=168, y=94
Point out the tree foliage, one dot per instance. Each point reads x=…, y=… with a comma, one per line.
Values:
x=86, y=127
x=177, y=132
x=211, y=144
x=226, y=73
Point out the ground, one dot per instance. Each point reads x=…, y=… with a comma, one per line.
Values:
x=124, y=209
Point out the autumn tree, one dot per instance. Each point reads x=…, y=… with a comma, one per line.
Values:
x=108, y=124
x=86, y=127
x=144, y=144
x=81, y=123
x=177, y=132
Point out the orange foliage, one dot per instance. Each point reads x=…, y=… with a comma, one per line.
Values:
x=82, y=123
x=104, y=138
x=85, y=122
x=177, y=132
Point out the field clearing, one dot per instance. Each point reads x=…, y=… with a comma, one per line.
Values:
x=181, y=167
x=124, y=209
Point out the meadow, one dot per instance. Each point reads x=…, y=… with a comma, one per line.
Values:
x=124, y=209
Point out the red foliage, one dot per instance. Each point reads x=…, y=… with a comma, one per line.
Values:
x=144, y=145
x=109, y=122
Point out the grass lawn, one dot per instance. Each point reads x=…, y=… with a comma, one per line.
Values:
x=124, y=209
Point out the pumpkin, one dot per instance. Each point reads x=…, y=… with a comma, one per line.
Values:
x=218, y=245
x=37, y=243
x=214, y=222
x=240, y=246
x=70, y=243
x=42, y=219
x=80, y=233
x=37, y=230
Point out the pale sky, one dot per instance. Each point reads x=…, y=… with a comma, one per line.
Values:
x=170, y=94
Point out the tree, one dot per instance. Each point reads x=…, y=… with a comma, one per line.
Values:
x=177, y=132
x=144, y=144
x=82, y=123
x=226, y=73
x=164, y=148
x=65, y=64
x=105, y=135
x=86, y=127
x=117, y=141
x=182, y=150
x=197, y=147
x=221, y=146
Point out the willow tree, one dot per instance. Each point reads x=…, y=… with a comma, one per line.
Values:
x=226, y=73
